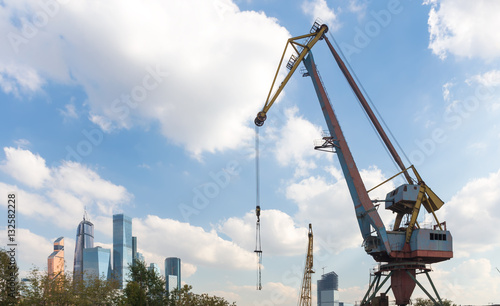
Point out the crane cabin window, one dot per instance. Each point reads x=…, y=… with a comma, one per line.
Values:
x=436, y=236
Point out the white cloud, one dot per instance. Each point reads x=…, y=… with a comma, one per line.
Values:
x=62, y=191
x=446, y=91
x=464, y=28
x=477, y=147
x=193, y=244
x=19, y=78
x=476, y=203
x=472, y=282
x=489, y=79
x=86, y=184
x=103, y=224
x=294, y=145
x=359, y=8
x=282, y=236
x=319, y=9
x=34, y=249
x=220, y=49
x=22, y=143
x=26, y=167
x=69, y=111
x=327, y=204
x=33, y=205
x=351, y=294
x=103, y=122
x=144, y=166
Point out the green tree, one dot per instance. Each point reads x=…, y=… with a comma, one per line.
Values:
x=9, y=280
x=42, y=290
x=429, y=302
x=64, y=290
x=184, y=297
x=97, y=291
x=145, y=286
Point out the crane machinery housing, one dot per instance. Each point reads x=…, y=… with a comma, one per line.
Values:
x=405, y=250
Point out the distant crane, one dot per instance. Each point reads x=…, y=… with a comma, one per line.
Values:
x=305, y=294
x=405, y=250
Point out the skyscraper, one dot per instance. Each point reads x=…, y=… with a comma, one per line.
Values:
x=139, y=257
x=154, y=267
x=122, y=247
x=327, y=285
x=134, y=249
x=84, y=239
x=97, y=263
x=173, y=273
x=55, y=261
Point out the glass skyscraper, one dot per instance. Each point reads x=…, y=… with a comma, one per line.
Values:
x=122, y=247
x=97, y=263
x=55, y=262
x=154, y=267
x=173, y=273
x=327, y=285
x=134, y=249
x=84, y=239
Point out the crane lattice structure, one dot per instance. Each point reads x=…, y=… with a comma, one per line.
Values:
x=305, y=294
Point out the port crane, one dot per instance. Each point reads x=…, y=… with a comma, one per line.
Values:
x=406, y=249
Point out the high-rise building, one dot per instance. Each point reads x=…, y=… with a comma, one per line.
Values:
x=84, y=239
x=134, y=249
x=173, y=273
x=55, y=261
x=327, y=285
x=122, y=247
x=154, y=267
x=139, y=257
x=97, y=263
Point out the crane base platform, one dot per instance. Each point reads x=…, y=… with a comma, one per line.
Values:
x=403, y=276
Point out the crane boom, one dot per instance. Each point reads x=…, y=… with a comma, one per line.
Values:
x=364, y=208
x=294, y=61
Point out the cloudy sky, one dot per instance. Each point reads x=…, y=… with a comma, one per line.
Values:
x=146, y=108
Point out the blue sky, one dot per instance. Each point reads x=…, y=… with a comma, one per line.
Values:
x=146, y=108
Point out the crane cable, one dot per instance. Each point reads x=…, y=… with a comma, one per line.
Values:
x=372, y=105
x=257, y=166
x=258, y=248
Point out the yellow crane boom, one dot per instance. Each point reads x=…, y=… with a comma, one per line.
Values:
x=305, y=294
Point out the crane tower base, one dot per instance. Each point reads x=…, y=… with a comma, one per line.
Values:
x=403, y=277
